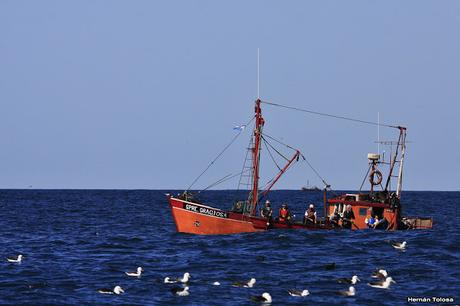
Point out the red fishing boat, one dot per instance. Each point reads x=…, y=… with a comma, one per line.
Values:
x=192, y=216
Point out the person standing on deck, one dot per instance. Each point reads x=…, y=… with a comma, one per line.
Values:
x=348, y=217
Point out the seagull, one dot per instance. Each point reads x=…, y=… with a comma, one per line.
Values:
x=382, y=284
x=249, y=284
x=17, y=260
x=350, y=292
x=265, y=298
x=353, y=280
x=216, y=284
x=294, y=292
x=135, y=274
x=115, y=290
x=381, y=273
x=180, y=291
x=399, y=245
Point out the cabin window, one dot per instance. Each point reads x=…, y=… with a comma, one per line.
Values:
x=362, y=211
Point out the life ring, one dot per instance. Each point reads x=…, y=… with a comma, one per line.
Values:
x=372, y=177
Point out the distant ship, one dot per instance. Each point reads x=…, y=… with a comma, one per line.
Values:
x=310, y=188
x=193, y=216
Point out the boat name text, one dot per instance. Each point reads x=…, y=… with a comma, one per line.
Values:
x=206, y=211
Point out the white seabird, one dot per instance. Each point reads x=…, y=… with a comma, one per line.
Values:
x=216, y=284
x=249, y=284
x=115, y=290
x=381, y=273
x=184, y=279
x=180, y=291
x=384, y=284
x=265, y=298
x=15, y=260
x=353, y=280
x=399, y=245
x=294, y=292
x=135, y=274
x=350, y=292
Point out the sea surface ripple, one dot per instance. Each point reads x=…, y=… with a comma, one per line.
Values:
x=76, y=241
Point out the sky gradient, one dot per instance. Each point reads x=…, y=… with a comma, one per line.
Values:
x=143, y=94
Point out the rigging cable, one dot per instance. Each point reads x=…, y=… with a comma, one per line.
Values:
x=224, y=179
x=329, y=115
x=219, y=155
x=316, y=172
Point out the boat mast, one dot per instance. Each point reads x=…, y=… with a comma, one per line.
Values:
x=401, y=161
x=256, y=157
x=401, y=145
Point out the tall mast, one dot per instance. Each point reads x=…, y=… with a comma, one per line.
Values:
x=401, y=161
x=256, y=157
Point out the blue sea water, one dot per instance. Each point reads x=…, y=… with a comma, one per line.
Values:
x=76, y=241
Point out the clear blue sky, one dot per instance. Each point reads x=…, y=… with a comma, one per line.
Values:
x=143, y=94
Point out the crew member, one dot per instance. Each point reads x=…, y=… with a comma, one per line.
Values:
x=334, y=218
x=348, y=217
x=267, y=212
x=310, y=215
x=284, y=214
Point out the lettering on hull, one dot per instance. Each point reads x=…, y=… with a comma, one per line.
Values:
x=205, y=211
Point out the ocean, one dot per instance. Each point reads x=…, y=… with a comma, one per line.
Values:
x=77, y=241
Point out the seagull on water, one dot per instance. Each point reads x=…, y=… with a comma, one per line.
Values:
x=383, y=284
x=15, y=260
x=265, y=298
x=353, y=280
x=115, y=290
x=184, y=279
x=216, y=284
x=249, y=284
x=135, y=274
x=180, y=291
x=350, y=292
x=294, y=292
x=380, y=273
x=399, y=245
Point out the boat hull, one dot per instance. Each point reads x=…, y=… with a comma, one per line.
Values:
x=194, y=218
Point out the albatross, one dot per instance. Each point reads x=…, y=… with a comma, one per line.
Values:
x=353, y=280
x=380, y=273
x=180, y=291
x=115, y=290
x=265, y=298
x=350, y=292
x=383, y=284
x=135, y=274
x=294, y=292
x=248, y=284
x=184, y=279
x=15, y=260
x=399, y=245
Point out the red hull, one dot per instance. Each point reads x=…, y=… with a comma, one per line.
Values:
x=195, y=218
x=199, y=219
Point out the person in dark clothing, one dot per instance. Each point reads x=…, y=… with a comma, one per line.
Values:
x=267, y=212
x=334, y=218
x=310, y=215
x=348, y=217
